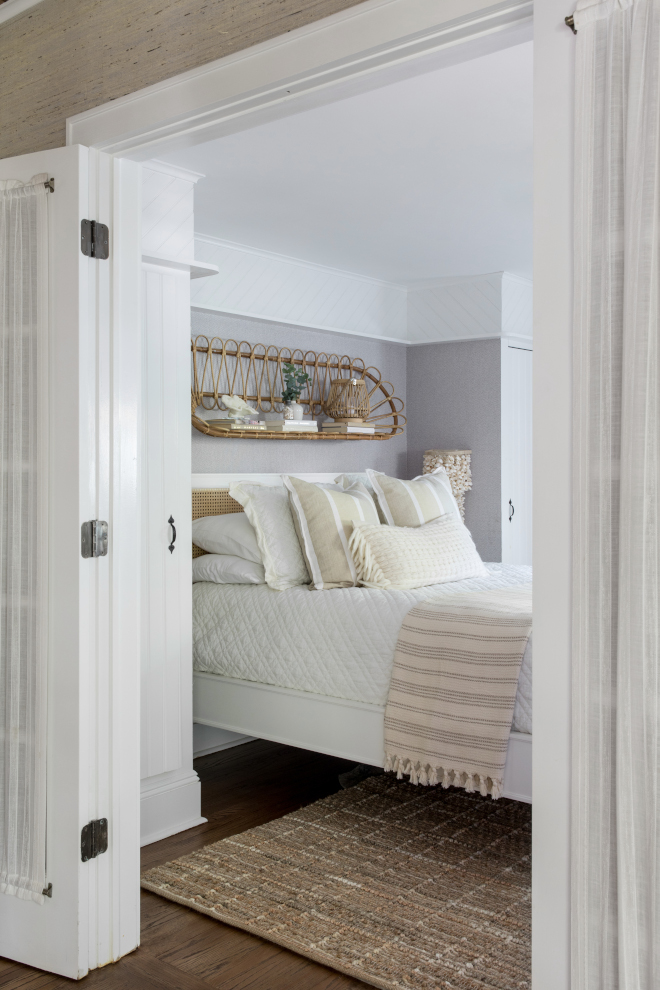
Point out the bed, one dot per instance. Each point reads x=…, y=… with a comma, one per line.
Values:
x=312, y=669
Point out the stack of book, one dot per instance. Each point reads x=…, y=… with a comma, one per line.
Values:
x=331, y=427
x=230, y=424
x=291, y=426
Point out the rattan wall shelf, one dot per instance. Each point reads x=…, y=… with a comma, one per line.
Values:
x=254, y=372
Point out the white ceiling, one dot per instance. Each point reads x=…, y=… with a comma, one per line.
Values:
x=423, y=178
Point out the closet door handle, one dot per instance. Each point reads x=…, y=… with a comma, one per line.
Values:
x=171, y=546
x=511, y=510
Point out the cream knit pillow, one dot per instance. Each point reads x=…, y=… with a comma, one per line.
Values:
x=413, y=503
x=412, y=557
x=324, y=517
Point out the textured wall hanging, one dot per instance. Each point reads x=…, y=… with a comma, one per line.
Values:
x=457, y=465
x=253, y=372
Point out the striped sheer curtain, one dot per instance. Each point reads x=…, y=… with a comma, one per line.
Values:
x=23, y=536
x=616, y=729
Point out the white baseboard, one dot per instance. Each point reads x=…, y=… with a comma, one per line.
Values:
x=208, y=739
x=169, y=803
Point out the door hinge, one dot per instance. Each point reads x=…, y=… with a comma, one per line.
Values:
x=94, y=839
x=94, y=538
x=94, y=239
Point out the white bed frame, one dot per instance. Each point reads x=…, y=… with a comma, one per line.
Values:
x=353, y=730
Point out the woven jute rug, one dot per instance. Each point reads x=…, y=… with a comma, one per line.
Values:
x=396, y=885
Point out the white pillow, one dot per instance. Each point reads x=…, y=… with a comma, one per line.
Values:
x=223, y=568
x=414, y=556
x=229, y=534
x=267, y=508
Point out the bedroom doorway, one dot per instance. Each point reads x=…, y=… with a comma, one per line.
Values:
x=315, y=64
x=319, y=233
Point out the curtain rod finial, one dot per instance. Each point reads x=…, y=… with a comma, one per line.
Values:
x=570, y=23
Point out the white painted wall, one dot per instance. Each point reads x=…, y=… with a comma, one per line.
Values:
x=271, y=287
x=554, y=52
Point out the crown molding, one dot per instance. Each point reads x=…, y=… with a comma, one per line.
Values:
x=520, y=279
x=442, y=280
x=366, y=46
x=176, y=171
x=260, y=318
x=299, y=262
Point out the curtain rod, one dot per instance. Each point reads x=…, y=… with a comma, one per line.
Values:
x=570, y=23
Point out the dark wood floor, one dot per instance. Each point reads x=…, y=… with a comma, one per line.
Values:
x=184, y=950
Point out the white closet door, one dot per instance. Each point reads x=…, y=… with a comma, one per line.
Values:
x=92, y=916
x=170, y=787
x=516, y=384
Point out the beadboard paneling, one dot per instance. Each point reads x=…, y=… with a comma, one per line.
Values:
x=166, y=577
x=168, y=214
x=517, y=299
x=65, y=56
x=273, y=287
x=469, y=308
x=449, y=309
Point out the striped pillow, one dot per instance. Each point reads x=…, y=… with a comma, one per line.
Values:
x=324, y=517
x=416, y=502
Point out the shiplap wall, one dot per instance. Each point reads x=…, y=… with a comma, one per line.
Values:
x=65, y=56
x=273, y=287
x=470, y=308
x=168, y=211
x=267, y=286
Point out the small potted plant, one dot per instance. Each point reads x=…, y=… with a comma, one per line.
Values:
x=294, y=383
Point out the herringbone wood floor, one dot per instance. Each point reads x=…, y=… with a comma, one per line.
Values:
x=183, y=950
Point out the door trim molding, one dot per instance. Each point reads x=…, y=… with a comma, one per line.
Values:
x=361, y=48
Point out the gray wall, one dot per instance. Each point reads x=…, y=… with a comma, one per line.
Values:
x=454, y=403
x=210, y=454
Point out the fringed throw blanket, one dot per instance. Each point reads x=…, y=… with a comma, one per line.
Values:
x=453, y=688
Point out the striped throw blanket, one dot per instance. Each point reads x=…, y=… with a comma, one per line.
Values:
x=453, y=688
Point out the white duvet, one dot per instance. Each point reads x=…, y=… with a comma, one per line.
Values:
x=338, y=643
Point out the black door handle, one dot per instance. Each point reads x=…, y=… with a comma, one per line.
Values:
x=511, y=510
x=171, y=522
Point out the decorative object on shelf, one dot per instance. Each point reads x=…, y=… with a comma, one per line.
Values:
x=457, y=465
x=257, y=374
x=287, y=425
x=295, y=380
x=236, y=424
x=348, y=401
x=333, y=427
x=238, y=408
x=293, y=411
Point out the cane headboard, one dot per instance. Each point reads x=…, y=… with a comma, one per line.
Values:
x=211, y=502
x=210, y=493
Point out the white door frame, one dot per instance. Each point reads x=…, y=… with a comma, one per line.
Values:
x=365, y=47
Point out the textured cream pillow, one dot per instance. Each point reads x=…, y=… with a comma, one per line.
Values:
x=267, y=508
x=414, y=556
x=413, y=503
x=324, y=517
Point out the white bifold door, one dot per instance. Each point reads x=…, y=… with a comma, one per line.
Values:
x=69, y=605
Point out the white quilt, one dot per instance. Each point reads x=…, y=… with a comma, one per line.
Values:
x=338, y=643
